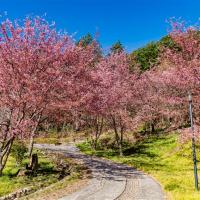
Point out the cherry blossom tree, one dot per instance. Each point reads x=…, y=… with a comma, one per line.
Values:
x=182, y=76
x=112, y=94
x=163, y=91
x=30, y=57
x=147, y=102
x=38, y=69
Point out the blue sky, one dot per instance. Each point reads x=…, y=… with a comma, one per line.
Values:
x=133, y=22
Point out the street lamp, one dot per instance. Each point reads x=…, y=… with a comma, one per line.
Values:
x=193, y=143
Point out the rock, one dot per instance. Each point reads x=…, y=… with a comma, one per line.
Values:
x=21, y=172
x=17, y=194
x=58, y=143
x=34, y=163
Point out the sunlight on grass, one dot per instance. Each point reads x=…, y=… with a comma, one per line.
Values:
x=10, y=183
x=163, y=158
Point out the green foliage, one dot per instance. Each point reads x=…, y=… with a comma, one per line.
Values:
x=19, y=151
x=108, y=142
x=167, y=42
x=86, y=40
x=89, y=40
x=85, y=147
x=146, y=57
x=117, y=47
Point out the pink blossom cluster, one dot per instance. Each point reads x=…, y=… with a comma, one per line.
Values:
x=44, y=74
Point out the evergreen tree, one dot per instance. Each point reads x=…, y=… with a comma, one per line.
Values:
x=86, y=40
x=117, y=47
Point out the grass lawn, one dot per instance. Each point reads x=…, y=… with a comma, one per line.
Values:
x=46, y=174
x=163, y=158
x=10, y=183
x=77, y=179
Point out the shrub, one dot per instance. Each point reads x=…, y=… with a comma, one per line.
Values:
x=19, y=151
x=107, y=142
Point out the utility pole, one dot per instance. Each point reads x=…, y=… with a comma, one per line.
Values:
x=193, y=143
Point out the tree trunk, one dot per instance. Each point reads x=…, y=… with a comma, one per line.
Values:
x=98, y=131
x=152, y=128
x=33, y=166
x=95, y=144
x=4, y=153
x=116, y=132
x=76, y=126
x=121, y=140
x=30, y=150
x=121, y=145
x=1, y=166
x=120, y=149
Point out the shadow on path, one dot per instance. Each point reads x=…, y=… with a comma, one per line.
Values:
x=109, y=180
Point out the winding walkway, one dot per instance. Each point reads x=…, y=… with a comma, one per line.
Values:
x=110, y=181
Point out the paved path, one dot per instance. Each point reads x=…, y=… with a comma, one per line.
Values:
x=110, y=181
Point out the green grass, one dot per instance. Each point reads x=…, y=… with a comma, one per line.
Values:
x=79, y=173
x=10, y=183
x=53, y=137
x=55, y=189
x=163, y=158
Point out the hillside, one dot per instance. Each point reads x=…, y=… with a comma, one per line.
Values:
x=163, y=158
